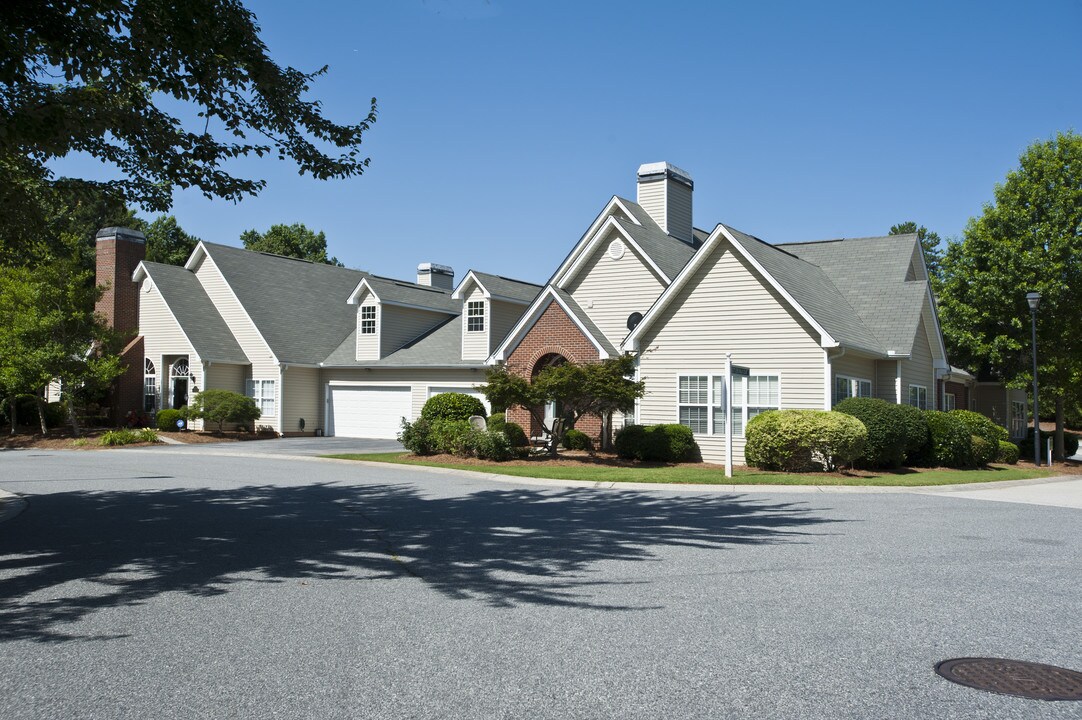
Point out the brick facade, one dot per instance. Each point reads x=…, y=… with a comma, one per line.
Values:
x=118, y=252
x=960, y=392
x=554, y=333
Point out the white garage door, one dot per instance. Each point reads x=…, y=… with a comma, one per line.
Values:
x=464, y=390
x=367, y=411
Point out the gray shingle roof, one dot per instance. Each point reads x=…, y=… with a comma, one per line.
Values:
x=871, y=274
x=670, y=254
x=439, y=347
x=587, y=323
x=195, y=312
x=299, y=307
x=507, y=287
x=407, y=293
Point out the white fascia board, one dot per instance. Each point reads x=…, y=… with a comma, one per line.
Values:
x=356, y=294
x=198, y=254
x=595, y=241
x=504, y=298
x=457, y=294
x=573, y=256
x=930, y=299
x=140, y=272
x=631, y=216
x=177, y=321
x=236, y=300
x=522, y=327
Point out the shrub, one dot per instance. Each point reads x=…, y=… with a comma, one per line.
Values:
x=515, y=434
x=492, y=445
x=978, y=424
x=656, y=443
x=496, y=421
x=951, y=444
x=577, y=440
x=801, y=440
x=223, y=406
x=918, y=437
x=146, y=435
x=1008, y=453
x=417, y=437
x=1025, y=446
x=452, y=437
x=981, y=451
x=452, y=406
x=167, y=420
x=113, y=438
x=886, y=443
x=26, y=413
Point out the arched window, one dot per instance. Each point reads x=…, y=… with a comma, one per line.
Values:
x=150, y=386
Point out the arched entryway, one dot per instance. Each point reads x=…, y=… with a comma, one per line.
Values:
x=545, y=361
x=179, y=380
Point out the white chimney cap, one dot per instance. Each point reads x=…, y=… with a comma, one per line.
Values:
x=664, y=168
x=435, y=268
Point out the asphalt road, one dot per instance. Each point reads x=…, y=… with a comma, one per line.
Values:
x=165, y=583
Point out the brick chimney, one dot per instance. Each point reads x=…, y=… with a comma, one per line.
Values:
x=119, y=252
x=664, y=191
x=438, y=276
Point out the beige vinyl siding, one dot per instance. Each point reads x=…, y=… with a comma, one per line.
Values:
x=854, y=366
x=302, y=397
x=502, y=316
x=885, y=387
x=679, y=211
x=610, y=290
x=418, y=380
x=399, y=325
x=368, y=345
x=651, y=196
x=221, y=376
x=164, y=341
x=726, y=307
x=917, y=370
x=475, y=345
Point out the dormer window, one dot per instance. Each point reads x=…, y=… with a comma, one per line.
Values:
x=475, y=316
x=368, y=320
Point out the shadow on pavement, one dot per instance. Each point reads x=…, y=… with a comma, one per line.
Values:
x=71, y=554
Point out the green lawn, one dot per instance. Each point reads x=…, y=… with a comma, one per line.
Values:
x=696, y=474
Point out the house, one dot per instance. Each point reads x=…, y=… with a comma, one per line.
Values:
x=348, y=353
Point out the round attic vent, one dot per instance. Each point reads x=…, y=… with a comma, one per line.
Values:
x=616, y=249
x=633, y=320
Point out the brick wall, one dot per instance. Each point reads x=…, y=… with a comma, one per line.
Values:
x=553, y=333
x=118, y=252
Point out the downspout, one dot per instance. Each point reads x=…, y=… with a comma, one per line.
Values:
x=281, y=398
x=898, y=382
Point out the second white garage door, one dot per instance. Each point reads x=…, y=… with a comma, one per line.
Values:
x=367, y=411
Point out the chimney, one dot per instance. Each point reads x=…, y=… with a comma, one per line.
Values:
x=437, y=276
x=664, y=191
x=119, y=251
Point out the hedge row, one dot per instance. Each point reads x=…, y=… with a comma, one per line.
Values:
x=656, y=443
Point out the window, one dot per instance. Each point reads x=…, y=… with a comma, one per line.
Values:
x=701, y=402
x=262, y=391
x=368, y=320
x=847, y=387
x=918, y=396
x=948, y=401
x=150, y=387
x=1018, y=419
x=693, y=403
x=475, y=316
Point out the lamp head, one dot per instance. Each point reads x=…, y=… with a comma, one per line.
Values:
x=1034, y=299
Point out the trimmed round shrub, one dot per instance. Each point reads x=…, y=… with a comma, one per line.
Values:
x=918, y=438
x=887, y=440
x=452, y=406
x=515, y=434
x=491, y=445
x=496, y=421
x=577, y=440
x=628, y=441
x=803, y=440
x=656, y=443
x=1008, y=453
x=166, y=420
x=1025, y=446
x=951, y=443
x=417, y=437
x=982, y=451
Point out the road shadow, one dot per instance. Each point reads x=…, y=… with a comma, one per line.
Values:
x=72, y=553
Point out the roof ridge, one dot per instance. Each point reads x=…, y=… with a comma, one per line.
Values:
x=848, y=239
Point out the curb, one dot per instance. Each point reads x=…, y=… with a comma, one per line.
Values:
x=10, y=505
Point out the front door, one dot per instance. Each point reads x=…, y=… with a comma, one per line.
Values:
x=180, y=392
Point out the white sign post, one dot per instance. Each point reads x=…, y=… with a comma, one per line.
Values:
x=728, y=415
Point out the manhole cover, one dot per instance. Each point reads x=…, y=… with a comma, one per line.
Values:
x=1014, y=677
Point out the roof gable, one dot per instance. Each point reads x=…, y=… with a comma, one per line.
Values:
x=537, y=308
x=497, y=287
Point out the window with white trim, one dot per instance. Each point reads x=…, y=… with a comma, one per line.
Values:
x=475, y=316
x=694, y=402
x=918, y=396
x=262, y=391
x=150, y=386
x=949, y=401
x=763, y=392
x=1018, y=418
x=847, y=387
x=368, y=319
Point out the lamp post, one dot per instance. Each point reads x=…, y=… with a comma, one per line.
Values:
x=1034, y=299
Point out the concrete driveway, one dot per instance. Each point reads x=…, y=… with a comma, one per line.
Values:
x=169, y=584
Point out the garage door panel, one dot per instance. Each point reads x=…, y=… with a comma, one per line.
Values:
x=367, y=411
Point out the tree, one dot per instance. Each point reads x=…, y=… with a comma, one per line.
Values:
x=167, y=242
x=48, y=330
x=294, y=240
x=1029, y=238
x=929, y=242
x=577, y=389
x=165, y=92
x=222, y=406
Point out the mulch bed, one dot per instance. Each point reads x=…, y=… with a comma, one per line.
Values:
x=63, y=439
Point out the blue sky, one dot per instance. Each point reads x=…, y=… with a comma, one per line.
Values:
x=505, y=126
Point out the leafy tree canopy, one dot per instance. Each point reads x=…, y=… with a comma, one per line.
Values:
x=1029, y=238
x=929, y=242
x=165, y=92
x=294, y=240
x=167, y=242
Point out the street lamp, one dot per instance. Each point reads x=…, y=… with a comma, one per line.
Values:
x=1034, y=299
